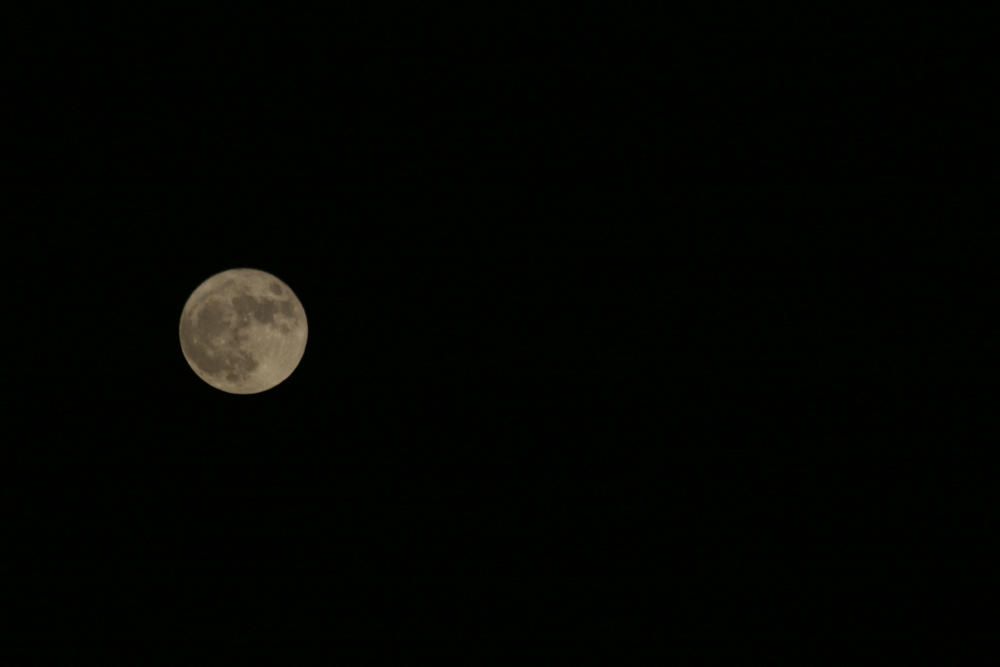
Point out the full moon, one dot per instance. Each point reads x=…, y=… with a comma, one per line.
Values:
x=243, y=331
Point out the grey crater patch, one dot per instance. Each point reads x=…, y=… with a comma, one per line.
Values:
x=240, y=365
x=262, y=309
x=210, y=323
x=211, y=335
x=264, y=313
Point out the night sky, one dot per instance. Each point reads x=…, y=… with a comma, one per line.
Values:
x=662, y=339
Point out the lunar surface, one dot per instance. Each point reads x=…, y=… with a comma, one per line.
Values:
x=243, y=331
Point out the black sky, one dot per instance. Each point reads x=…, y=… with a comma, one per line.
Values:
x=659, y=338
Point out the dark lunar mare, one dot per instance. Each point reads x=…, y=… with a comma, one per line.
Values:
x=263, y=309
x=200, y=332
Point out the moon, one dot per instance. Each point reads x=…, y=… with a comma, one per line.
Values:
x=243, y=331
